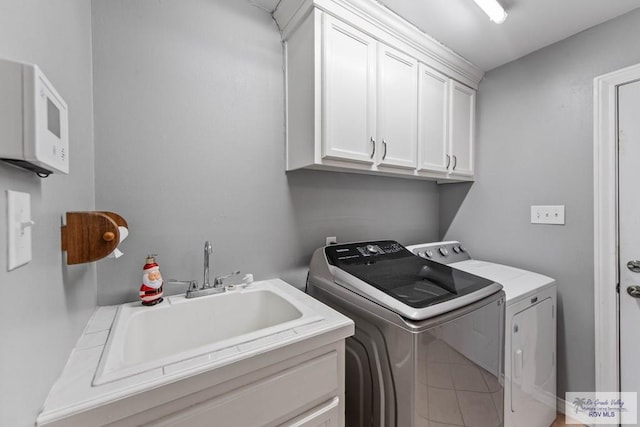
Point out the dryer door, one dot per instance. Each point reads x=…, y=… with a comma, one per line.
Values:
x=533, y=376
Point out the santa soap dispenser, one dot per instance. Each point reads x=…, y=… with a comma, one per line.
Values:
x=151, y=290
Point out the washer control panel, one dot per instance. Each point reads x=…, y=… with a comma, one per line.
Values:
x=364, y=252
x=442, y=252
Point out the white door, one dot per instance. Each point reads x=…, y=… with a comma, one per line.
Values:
x=397, y=108
x=461, y=128
x=348, y=97
x=433, y=118
x=629, y=229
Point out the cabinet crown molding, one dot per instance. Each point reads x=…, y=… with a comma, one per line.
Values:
x=386, y=26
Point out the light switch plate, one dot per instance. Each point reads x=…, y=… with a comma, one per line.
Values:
x=19, y=229
x=547, y=214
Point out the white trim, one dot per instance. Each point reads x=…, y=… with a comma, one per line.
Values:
x=561, y=405
x=382, y=24
x=605, y=91
x=560, y=408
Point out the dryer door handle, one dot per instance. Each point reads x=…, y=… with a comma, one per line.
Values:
x=517, y=364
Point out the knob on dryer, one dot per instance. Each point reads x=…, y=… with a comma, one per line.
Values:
x=444, y=251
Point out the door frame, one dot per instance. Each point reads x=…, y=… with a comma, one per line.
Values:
x=605, y=160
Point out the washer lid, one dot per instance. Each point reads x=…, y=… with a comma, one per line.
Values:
x=416, y=282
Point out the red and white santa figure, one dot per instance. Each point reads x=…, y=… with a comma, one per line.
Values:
x=151, y=290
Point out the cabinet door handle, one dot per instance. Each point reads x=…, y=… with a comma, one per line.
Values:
x=384, y=143
x=634, y=291
x=448, y=161
x=373, y=143
x=455, y=162
x=634, y=265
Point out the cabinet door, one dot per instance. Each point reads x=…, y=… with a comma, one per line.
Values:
x=461, y=128
x=433, y=117
x=348, y=95
x=397, y=108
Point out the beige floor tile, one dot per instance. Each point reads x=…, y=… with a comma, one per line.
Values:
x=443, y=406
x=478, y=409
x=468, y=378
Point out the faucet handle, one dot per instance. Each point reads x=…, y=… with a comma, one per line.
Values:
x=192, y=285
x=219, y=281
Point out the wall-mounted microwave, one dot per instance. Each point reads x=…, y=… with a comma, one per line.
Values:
x=34, y=121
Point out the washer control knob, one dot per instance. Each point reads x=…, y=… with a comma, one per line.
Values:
x=372, y=249
x=444, y=251
x=456, y=249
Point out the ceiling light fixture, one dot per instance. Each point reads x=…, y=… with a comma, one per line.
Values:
x=492, y=8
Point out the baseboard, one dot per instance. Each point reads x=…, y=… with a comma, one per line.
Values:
x=560, y=405
x=560, y=408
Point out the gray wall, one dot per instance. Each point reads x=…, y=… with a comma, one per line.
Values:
x=46, y=304
x=189, y=106
x=535, y=139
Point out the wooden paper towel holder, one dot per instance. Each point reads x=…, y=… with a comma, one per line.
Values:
x=90, y=236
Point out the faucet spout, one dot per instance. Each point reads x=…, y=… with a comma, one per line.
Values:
x=207, y=252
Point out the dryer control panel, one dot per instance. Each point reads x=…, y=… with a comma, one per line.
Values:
x=442, y=252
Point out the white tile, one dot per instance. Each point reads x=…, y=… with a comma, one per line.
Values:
x=265, y=341
x=102, y=319
x=185, y=364
x=92, y=340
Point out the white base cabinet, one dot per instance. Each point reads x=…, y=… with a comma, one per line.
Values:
x=364, y=94
x=283, y=398
x=306, y=390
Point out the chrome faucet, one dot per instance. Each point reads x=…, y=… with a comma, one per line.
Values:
x=207, y=253
x=220, y=283
x=206, y=288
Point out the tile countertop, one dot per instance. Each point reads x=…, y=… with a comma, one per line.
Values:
x=73, y=392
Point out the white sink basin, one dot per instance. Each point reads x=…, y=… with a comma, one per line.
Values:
x=181, y=333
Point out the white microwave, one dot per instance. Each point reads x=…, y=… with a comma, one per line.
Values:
x=34, y=120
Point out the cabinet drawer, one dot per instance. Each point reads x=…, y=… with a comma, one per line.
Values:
x=277, y=397
x=327, y=415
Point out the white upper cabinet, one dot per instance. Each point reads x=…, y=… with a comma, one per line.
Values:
x=348, y=93
x=446, y=120
x=366, y=92
x=433, y=121
x=397, y=108
x=369, y=99
x=461, y=129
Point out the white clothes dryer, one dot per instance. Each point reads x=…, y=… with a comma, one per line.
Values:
x=530, y=332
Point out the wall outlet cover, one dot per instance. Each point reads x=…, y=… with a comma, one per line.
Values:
x=547, y=214
x=19, y=229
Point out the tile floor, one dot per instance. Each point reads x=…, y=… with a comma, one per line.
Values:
x=560, y=422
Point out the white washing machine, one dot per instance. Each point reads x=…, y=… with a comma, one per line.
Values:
x=530, y=333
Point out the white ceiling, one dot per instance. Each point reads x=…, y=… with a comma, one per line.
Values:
x=531, y=24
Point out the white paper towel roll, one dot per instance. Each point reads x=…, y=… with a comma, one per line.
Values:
x=117, y=253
